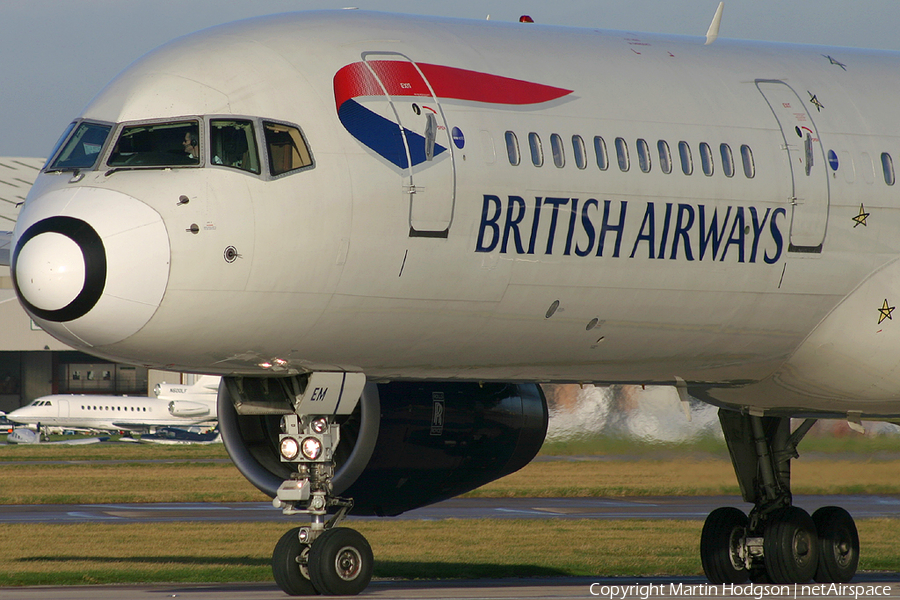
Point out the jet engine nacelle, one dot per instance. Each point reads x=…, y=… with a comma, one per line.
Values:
x=187, y=409
x=408, y=444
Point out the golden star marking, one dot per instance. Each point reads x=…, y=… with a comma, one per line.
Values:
x=885, y=312
x=860, y=219
x=815, y=101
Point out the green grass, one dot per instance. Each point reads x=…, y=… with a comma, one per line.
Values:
x=49, y=554
x=598, y=445
x=97, y=473
x=198, y=480
x=447, y=549
x=828, y=444
x=129, y=451
x=617, y=446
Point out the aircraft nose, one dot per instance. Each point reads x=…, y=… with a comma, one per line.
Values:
x=90, y=265
x=60, y=268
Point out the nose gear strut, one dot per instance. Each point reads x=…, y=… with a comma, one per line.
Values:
x=319, y=558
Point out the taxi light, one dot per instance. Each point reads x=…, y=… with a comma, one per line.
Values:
x=311, y=448
x=290, y=448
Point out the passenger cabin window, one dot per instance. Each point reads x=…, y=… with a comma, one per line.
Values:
x=684, y=152
x=579, y=152
x=537, y=153
x=286, y=147
x=512, y=148
x=643, y=151
x=706, y=159
x=727, y=160
x=82, y=149
x=747, y=161
x=622, y=154
x=171, y=144
x=556, y=146
x=233, y=144
x=600, y=150
x=665, y=157
x=887, y=166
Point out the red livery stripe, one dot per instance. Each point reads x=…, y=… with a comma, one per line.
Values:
x=401, y=78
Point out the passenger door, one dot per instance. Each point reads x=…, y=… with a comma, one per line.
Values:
x=808, y=184
x=428, y=179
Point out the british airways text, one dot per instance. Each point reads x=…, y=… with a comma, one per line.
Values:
x=567, y=226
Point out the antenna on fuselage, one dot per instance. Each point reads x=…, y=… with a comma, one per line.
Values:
x=713, y=32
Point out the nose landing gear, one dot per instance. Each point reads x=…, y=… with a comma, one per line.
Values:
x=320, y=558
x=338, y=563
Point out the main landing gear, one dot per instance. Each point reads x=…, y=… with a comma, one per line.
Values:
x=320, y=558
x=777, y=542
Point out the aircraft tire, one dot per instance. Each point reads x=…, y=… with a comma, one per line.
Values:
x=289, y=574
x=790, y=546
x=723, y=532
x=838, y=545
x=340, y=562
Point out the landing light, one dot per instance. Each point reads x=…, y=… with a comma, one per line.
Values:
x=311, y=448
x=290, y=448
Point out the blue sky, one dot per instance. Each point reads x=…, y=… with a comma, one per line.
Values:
x=56, y=54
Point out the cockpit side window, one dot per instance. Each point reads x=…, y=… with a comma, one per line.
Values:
x=286, y=148
x=59, y=142
x=83, y=147
x=233, y=144
x=168, y=144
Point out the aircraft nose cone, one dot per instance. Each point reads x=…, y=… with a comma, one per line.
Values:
x=60, y=268
x=90, y=265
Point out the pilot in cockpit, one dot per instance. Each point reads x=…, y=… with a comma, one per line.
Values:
x=191, y=145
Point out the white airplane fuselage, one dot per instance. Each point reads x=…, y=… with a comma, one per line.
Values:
x=112, y=413
x=173, y=406
x=767, y=283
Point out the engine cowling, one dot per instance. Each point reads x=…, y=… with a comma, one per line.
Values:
x=188, y=409
x=408, y=444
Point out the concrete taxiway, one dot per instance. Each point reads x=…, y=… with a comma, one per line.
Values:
x=869, y=587
x=649, y=507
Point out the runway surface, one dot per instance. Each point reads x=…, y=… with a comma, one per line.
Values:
x=878, y=586
x=649, y=507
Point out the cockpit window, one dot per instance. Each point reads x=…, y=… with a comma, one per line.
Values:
x=286, y=148
x=233, y=144
x=82, y=148
x=59, y=143
x=157, y=145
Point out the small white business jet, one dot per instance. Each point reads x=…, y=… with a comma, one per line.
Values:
x=174, y=406
x=385, y=231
